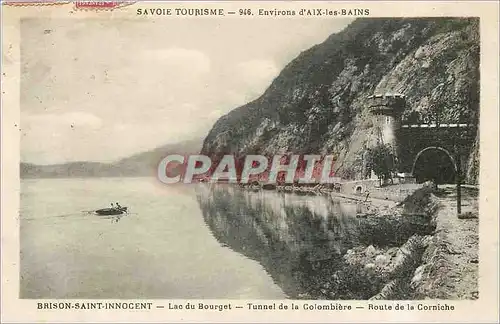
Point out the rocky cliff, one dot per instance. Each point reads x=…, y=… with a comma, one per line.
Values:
x=318, y=103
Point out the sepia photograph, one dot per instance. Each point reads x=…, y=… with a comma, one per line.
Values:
x=110, y=109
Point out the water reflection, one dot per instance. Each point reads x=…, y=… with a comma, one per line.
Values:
x=293, y=237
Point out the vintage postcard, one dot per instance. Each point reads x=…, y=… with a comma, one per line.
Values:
x=249, y=161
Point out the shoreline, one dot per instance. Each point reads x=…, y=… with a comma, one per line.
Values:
x=428, y=264
x=389, y=195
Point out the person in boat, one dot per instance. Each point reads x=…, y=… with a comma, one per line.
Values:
x=122, y=209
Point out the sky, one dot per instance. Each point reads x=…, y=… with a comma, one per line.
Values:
x=100, y=90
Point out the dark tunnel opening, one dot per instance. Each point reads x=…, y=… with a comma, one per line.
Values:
x=435, y=165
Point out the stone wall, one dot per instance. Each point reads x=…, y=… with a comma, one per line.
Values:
x=358, y=187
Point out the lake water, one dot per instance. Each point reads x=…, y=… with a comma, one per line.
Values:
x=184, y=241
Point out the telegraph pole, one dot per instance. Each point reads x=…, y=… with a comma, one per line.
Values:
x=459, y=180
x=458, y=170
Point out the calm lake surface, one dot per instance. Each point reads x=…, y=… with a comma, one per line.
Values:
x=185, y=241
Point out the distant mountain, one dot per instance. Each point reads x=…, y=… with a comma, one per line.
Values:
x=66, y=170
x=146, y=163
x=140, y=164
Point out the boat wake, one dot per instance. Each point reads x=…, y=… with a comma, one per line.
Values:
x=82, y=215
x=78, y=214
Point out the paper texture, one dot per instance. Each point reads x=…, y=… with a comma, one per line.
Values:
x=102, y=102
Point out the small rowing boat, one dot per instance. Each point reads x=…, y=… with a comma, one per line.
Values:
x=111, y=211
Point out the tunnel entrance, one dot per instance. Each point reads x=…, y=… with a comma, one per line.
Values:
x=435, y=164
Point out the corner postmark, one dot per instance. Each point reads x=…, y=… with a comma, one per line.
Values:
x=100, y=5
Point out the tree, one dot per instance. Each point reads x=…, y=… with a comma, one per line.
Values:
x=381, y=160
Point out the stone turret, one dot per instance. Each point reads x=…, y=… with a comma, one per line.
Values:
x=387, y=110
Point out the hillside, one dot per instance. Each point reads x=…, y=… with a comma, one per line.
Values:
x=146, y=163
x=318, y=103
x=140, y=164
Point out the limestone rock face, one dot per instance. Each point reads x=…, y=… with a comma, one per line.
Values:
x=319, y=102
